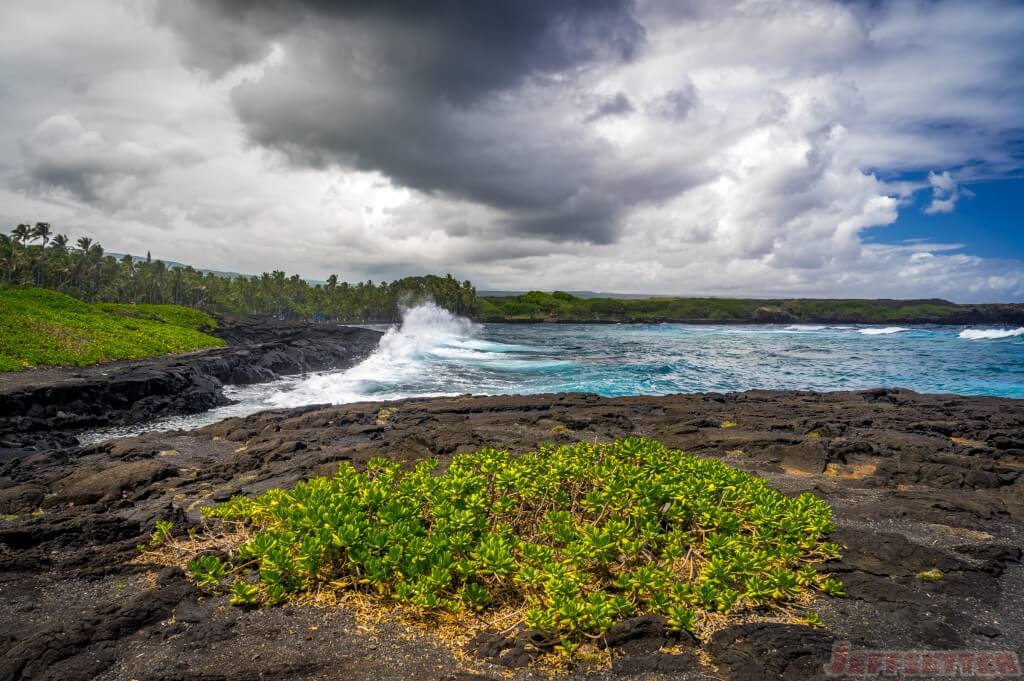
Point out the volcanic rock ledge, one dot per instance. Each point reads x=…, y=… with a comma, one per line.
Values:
x=41, y=409
x=920, y=484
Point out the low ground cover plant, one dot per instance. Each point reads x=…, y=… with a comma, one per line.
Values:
x=39, y=327
x=175, y=315
x=576, y=537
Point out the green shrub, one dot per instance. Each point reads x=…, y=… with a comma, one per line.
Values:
x=578, y=536
x=208, y=570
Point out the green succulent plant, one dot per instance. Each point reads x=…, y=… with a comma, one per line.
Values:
x=578, y=537
x=208, y=571
x=244, y=593
x=161, y=533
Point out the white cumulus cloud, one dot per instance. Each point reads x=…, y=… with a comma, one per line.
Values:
x=747, y=148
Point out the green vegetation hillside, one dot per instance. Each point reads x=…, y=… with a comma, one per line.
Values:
x=564, y=307
x=41, y=327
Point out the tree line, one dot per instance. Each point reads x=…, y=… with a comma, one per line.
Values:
x=33, y=255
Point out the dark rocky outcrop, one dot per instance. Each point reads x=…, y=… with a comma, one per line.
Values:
x=41, y=409
x=927, y=490
x=767, y=651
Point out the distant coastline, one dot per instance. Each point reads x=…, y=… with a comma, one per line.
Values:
x=561, y=307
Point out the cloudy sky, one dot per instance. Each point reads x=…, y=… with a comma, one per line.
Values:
x=869, y=149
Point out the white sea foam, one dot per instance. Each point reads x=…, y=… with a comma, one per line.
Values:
x=990, y=334
x=882, y=331
x=432, y=353
x=398, y=360
x=805, y=327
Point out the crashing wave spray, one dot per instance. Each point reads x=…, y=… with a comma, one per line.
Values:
x=397, y=362
x=991, y=334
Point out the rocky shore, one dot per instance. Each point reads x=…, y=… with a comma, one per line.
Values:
x=921, y=485
x=42, y=408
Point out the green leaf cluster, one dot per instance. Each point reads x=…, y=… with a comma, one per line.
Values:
x=578, y=536
x=162, y=533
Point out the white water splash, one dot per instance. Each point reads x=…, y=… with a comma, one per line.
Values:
x=883, y=331
x=990, y=334
x=426, y=330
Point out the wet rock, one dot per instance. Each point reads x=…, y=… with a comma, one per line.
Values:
x=290, y=447
x=986, y=630
x=1006, y=442
x=994, y=557
x=878, y=589
x=113, y=482
x=890, y=555
x=21, y=498
x=488, y=645
x=940, y=636
x=47, y=648
x=512, y=651
x=769, y=652
x=655, y=663
x=642, y=635
x=191, y=612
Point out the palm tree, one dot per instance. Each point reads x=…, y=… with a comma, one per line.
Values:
x=42, y=231
x=59, y=249
x=78, y=260
x=96, y=256
x=22, y=233
x=9, y=253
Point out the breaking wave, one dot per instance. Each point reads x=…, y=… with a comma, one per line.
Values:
x=882, y=331
x=990, y=334
x=432, y=353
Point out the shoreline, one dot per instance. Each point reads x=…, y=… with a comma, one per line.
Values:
x=43, y=408
x=48, y=407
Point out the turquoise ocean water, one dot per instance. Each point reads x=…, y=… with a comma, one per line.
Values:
x=436, y=353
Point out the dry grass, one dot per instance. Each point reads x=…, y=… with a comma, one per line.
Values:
x=960, y=532
x=965, y=442
x=856, y=471
x=453, y=631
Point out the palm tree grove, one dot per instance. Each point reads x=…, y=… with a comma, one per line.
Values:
x=33, y=255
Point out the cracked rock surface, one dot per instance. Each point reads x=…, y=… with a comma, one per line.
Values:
x=919, y=484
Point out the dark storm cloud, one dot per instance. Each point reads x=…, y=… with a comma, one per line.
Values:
x=441, y=97
x=458, y=48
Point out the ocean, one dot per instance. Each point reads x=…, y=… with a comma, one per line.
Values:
x=435, y=353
